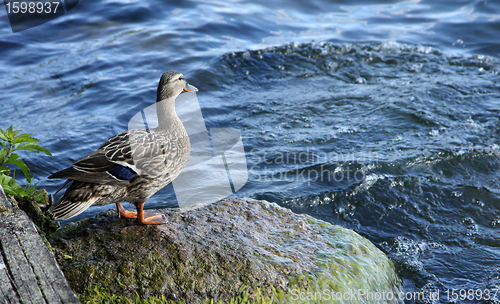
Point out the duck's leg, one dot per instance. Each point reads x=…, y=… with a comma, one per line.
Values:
x=125, y=213
x=151, y=219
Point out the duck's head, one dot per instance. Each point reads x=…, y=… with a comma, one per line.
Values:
x=172, y=83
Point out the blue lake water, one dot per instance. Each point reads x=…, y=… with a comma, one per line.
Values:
x=381, y=116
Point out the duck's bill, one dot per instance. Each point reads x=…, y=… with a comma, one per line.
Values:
x=190, y=88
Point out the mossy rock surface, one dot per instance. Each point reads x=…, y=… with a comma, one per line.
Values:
x=41, y=218
x=235, y=250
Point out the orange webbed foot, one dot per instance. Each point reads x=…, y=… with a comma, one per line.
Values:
x=156, y=219
x=125, y=213
x=147, y=218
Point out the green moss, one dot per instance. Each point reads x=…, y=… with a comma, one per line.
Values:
x=305, y=284
x=115, y=262
x=73, y=227
x=100, y=295
x=42, y=218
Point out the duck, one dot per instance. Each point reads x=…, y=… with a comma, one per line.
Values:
x=130, y=166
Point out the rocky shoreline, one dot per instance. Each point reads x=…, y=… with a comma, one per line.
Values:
x=232, y=251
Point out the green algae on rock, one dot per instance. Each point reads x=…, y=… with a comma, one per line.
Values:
x=233, y=251
x=41, y=218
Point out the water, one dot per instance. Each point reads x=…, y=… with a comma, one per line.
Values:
x=383, y=118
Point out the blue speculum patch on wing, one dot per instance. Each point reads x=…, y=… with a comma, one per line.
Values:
x=123, y=173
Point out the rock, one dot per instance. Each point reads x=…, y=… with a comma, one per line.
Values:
x=42, y=218
x=233, y=250
x=28, y=271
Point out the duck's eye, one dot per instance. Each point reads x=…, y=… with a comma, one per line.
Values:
x=181, y=78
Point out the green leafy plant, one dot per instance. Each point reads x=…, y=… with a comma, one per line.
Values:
x=11, y=141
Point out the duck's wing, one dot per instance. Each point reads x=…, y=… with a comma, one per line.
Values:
x=112, y=163
x=79, y=197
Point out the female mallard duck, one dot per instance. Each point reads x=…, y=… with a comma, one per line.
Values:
x=133, y=165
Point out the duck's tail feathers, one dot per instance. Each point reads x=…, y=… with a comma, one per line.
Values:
x=65, y=209
x=64, y=185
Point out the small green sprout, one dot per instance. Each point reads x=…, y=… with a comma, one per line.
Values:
x=11, y=142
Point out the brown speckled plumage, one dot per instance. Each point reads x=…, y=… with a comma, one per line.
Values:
x=133, y=165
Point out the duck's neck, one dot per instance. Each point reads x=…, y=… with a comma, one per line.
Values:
x=167, y=117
